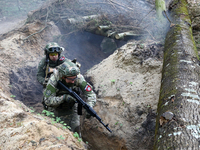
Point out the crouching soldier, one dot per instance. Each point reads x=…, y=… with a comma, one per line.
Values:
x=65, y=105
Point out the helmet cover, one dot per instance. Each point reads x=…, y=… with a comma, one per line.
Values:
x=53, y=47
x=68, y=69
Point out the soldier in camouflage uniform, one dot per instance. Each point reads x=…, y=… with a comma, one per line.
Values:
x=64, y=104
x=53, y=58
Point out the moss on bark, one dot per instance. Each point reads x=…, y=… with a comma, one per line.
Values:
x=179, y=85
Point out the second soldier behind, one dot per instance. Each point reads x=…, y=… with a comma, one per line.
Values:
x=52, y=59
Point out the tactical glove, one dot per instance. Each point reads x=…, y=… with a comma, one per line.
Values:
x=68, y=98
x=88, y=115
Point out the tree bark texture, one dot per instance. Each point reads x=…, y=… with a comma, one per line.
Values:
x=178, y=124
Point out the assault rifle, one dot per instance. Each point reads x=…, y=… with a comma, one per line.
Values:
x=84, y=104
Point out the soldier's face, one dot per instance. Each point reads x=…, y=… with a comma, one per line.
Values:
x=69, y=79
x=53, y=56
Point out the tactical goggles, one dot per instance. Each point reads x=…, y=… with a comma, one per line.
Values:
x=71, y=79
x=54, y=49
x=53, y=54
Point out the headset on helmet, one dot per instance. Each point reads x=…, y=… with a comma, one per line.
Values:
x=53, y=47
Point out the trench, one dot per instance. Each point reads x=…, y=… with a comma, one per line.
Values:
x=83, y=46
x=86, y=47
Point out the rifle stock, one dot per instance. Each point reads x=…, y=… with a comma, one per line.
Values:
x=84, y=104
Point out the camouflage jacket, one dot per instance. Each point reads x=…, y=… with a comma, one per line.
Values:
x=54, y=97
x=42, y=66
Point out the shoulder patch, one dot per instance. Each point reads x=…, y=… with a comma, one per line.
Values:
x=48, y=93
x=88, y=88
x=62, y=58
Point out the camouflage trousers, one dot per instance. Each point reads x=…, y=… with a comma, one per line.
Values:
x=70, y=117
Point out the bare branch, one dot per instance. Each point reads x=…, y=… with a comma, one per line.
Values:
x=39, y=30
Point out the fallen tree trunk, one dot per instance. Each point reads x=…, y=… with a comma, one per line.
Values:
x=124, y=34
x=178, y=124
x=79, y=20
x=104, y=28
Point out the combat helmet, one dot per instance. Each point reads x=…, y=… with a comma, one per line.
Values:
x=53, y=47
x=68, y=69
